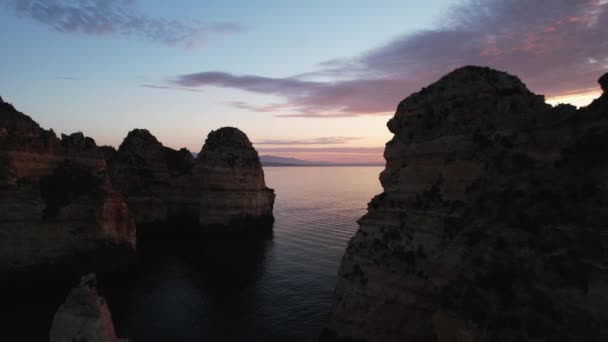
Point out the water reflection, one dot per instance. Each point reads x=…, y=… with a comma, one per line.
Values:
x=272, y=287
x=275, y=287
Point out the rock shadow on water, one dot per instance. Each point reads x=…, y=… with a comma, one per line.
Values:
x=30, y=297
x=191, y=288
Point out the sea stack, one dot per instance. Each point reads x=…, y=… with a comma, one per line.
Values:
x=235, y=194
x=57, y=205
x=222, y=189
x=492, y=223
x=84, y=316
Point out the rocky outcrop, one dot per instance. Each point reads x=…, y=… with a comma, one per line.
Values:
x=84, y=316
x=234, y=191
x=107, y=152
x=222, y=188
x=56, y=200
x=139, y=169
x=492, y=223
x=604, y=83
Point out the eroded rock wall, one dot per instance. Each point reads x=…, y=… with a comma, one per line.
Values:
x=56, y=200
x=492, y=225
x=222, y=189
x=234, y=191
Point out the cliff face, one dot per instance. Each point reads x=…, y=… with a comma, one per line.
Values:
x=140, y=170
x=223, y=187
x=56, y=200
x=84, y=316
x=492, y=223
x=234, y=191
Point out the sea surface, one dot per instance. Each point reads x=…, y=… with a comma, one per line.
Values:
x=275, y=286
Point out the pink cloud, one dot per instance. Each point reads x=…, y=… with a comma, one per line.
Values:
x=110, y=17
x=546, y=43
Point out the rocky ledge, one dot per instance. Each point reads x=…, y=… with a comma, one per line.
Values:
x=222, y=189
x=492, y=223
x=84, y=316
x=56, y=201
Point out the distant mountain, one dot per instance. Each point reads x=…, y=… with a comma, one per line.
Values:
x=284, y=161
x=268, y=160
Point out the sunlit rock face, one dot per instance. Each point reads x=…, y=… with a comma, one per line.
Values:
x=84, y=316
x=222, y=189
x=492, y=225
x=56, y=200
x=234, y=190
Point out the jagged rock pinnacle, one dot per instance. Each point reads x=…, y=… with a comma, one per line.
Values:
x=603, y=81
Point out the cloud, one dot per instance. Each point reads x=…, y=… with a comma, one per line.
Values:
x=116, y=17
x=555, y=46
x=315, y=141
x=154, y=86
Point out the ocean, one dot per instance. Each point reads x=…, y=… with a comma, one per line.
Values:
x=275, y=286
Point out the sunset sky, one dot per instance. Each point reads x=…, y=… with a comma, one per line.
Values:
x=314, y=80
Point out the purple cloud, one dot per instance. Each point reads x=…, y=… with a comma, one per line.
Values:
x=315, y=141
x=555, y=46
x=154, y=86
x=108, y=17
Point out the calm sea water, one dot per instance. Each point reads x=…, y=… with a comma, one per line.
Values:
x=275, y=287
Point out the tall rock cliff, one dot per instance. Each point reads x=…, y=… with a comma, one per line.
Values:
x=146, y=173
x=234, y=190
x=492, y=225
x=221, y=189
x=56, y=200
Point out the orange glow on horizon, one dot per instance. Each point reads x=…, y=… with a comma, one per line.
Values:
x=578, y=98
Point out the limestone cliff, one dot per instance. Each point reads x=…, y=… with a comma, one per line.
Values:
x=492, y=225
x=140, y=170
x=234, y=191
x=84, y=316
x=222, y=188
x=56, y=200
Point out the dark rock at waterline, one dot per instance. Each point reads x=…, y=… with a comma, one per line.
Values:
x=84, y=316
x=492, y=223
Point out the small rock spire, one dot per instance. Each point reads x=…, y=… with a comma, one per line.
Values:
x=603, y=81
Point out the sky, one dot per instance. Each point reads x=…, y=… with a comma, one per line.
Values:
x=315, y=80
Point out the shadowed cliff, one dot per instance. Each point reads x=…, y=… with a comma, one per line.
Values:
x=492, y=223
x=56, y=200
x=223, y=189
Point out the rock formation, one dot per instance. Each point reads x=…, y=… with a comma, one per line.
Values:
x=492, y=225
x=140, y=170
x=84, y=316
x=56, y=200
x=222, y=188
x=234, y=191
